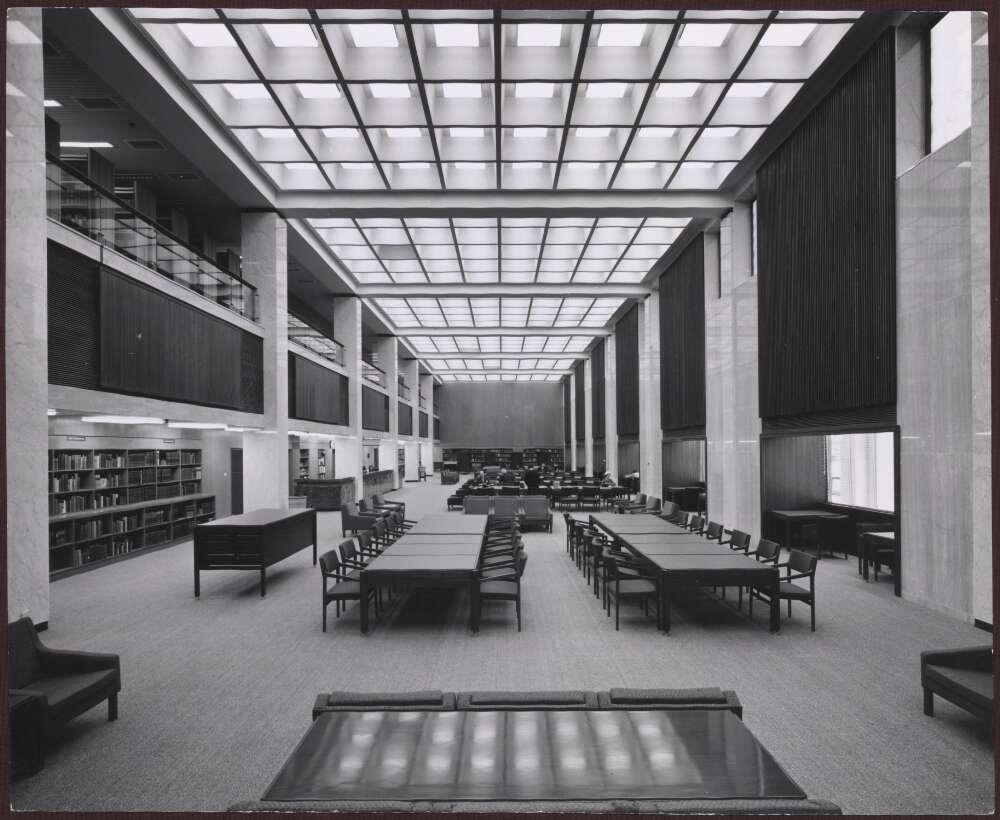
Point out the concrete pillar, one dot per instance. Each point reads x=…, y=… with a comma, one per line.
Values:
x=650, y=432
x=388, y=360
x=26, y=317
x=588, y=417
x=427, y=442
x=347, y=326
x=410, y=369
x=265, y=455
x=572, y=421
x=610, y=408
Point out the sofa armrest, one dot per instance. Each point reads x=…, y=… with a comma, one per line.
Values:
x=65, y=662
x=972, y=657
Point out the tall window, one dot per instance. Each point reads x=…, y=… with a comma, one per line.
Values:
x=861, y=470
x=950, y=77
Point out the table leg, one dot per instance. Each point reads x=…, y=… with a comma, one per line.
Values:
x=665, y=609
x=474, y=604
x=788, y=534
x=363, y=603
x=775, y=604
x=197, y=579
x=263, y=581
x=315, y=539
x=864, y=557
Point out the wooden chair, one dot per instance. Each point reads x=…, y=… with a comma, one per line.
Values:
x=344, y=588
x=714, y=531
x=504, y=585
x=630, y=587
x=799, y=565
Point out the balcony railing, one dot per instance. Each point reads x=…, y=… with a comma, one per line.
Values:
x=86, y=207
x=436, y=413
x=373, y=374
x=404, y=389
x=421, y=401
x=309, y=337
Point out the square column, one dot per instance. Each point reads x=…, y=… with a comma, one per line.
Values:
x=410, y=369
x=610, y=408
x=347, y=324
x=265, y=455
x=588, y=417
x=26, y=326
x=427, y=442
x=650, y=431
x=572, y=421
x=388, y=359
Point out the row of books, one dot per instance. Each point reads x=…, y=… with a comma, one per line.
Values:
x=71, y=461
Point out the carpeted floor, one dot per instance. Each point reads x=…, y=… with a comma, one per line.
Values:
x=217, y=691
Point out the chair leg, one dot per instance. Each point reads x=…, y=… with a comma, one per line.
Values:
x=113, y=707
x=324, y=616
x=517, y=605
x=617, y=607
x=812, y=615
x=789, y=607
x=928, y=702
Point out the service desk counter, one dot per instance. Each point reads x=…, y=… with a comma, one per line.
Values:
x=380, y=481
x=326, y=493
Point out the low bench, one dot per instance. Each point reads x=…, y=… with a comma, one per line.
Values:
x=962, y=676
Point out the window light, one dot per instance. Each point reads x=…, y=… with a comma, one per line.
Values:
x=583, y=166
x=341, y=133
x=298, y=166
x=402, y=133
x=539, y=34
x=374, y=35
x=787, y=34
x=413, y=166
x=534, y=90
x=720, y=132
x=276, y=133
x=290, y=35
x=526, y=166
x=356, y=166
x=207, y=35
x=640, y=166
x=389, y=90
x=53, y=104
x=469, y=166
x=466, y=133
x=246, y=91
x=705, y=35
x=76, y=144
x=656, y=132
x=452, y=35
x=606, y=90
x=530, y=133
x=121, y=420
x=677, y=89
x=593, y=133
x=318, y=91
x=749, y=89
x=699, y=166
x=463, y=90
x=626, y=35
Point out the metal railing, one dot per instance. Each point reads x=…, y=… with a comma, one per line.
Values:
x=373, y=374
x=436, y=413
x=421, y=401
x=307, y=336
x=404, y=389
x=86, y=207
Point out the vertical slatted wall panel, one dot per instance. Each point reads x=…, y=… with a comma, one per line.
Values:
x=627, y=373
x=597, y=393
x=374, y=410
x=73, y=317
x=422, y=422
x=682, y=341
x=826, y=231
x=316, y=393
x=581, y=407
x=405, y=419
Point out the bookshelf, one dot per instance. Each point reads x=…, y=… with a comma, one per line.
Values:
x=105, y=504
x=303, y=463
x=321, y=463
x=472, y=459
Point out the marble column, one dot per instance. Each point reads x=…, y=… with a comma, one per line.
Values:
x=588, y=417
x=388, y=360
x=572, y=421
x=26, y=318
x=610, y=408
x=650, y=430
x=347, y=325
x=427, y=442
x=410, y=370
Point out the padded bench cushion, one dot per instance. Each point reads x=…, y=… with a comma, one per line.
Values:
x=710, y=694
x=977, y=684
x=643, y=807
x=68, y=695
x=431, y=697
x=557, y=698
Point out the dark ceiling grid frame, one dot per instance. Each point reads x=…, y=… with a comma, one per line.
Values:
x=541, y=249
x=418, y=74
x=497, y=93
x=583, y=249
x=371, y=249
x=647, y=96
x=348, y=96
x=581, y=58
x=628, y=247
x=458, y=256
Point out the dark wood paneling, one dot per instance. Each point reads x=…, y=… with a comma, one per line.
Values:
x=252, y=374
x=567, y=418
x=793, y=472
x=683, y=462
x=155, y=345
x=316, y=393
x=826, y=231
x=597, y=393
x=374, y=410
x=682, y=340
x=437, y=429
x=628, y=457
x=73, y=319
x=405, y=419
x=423, y=431
x=500, y=414
x=580, y=399
x=627, y=373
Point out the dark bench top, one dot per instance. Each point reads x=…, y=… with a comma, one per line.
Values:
x=258, y=518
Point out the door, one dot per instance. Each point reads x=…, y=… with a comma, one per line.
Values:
x=236, y=480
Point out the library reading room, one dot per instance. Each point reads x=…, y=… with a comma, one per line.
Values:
x=484, y=409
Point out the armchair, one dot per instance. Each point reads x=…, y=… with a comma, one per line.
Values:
x=351, y=519
x=963, y=676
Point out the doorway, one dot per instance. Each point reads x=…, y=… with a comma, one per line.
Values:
x=236, y=481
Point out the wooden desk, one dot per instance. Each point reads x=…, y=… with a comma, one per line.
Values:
x=254, y=540
x=793, y=518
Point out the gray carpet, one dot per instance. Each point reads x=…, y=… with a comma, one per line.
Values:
x=218, y=691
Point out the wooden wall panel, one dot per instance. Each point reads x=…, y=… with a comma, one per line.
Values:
x=793, y=475
x=73, y=319
x=683, y=461
x=422, y=421
x=405, y=419
x=316, y=393
x=827, y=259
x=627, y=373
x=374, y=410
x=580, y=398
x=682, y=341
x=597, y=393
x=501, y=414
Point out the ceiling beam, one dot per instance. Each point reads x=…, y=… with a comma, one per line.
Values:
x=518, y=356
x=497, y=331
x=495, y=372
x=488, y=203
x=504, y=289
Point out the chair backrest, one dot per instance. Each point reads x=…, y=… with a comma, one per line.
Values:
x=768, y=551
x=714, y=531
x=505, y=506
x=364, y=539
x=589, y=491
x=640, y=498
x=365, y=506
x=537, y=506
x=347, y=550
x=23, y=664
x=696, y=523
x=477, y=504
x=351, y=508
x=378, y=499
x=740, y=539
x=329, y=563
x=379, y=529
x=799, y=561
x=653, y=504
x=669, y=508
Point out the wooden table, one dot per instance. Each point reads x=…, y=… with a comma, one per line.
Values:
x=793, y=518
x=870, y=541
x=252, y=541
x=539, y=755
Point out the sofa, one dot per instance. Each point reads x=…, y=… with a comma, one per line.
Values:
x=962, y=676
